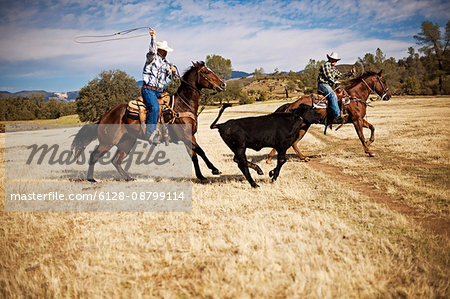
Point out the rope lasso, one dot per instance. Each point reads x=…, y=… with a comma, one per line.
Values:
x=109, y=37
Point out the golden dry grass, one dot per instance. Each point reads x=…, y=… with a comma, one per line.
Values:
x=310, y=234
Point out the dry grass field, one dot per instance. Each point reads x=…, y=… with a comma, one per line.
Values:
x=340, y=226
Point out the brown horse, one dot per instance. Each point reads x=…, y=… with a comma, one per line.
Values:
x=358, y=90
x=127, y=131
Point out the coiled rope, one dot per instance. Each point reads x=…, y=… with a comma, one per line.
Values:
x=92, y=39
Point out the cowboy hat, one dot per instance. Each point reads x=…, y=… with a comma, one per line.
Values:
x=163, y=46
x=333, y=56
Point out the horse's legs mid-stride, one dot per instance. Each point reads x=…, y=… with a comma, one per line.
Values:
x=99, y=151
x=123, y=148
x=358, y=124
x=366, y=124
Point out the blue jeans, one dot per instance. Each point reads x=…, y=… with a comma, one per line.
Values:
x=332, y=99
x=150, y=97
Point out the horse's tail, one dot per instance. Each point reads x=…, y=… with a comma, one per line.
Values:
x=83, y=138
x=214, y=124
x=283, y=108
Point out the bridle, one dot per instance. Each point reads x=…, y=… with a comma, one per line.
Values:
x=206, y=78
x=385, y=90
x=199, y=73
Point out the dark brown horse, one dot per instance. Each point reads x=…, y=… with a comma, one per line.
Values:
x=127, y=131
x=359, y=90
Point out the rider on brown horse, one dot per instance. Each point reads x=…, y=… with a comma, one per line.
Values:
x=157, y=71
x=328, y=77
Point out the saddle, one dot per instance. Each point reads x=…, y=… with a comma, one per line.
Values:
x=136, y=110
x=319, y=101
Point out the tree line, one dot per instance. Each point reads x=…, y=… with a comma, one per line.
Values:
x=20, y=108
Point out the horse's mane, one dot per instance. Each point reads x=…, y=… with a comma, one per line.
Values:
x=188, y=72
x=352, y=82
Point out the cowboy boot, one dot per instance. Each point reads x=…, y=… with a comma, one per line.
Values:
x=154, y=138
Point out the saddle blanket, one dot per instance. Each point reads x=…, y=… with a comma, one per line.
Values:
x=319, y=102
x=137, y=110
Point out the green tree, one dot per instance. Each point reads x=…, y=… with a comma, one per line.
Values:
x=259, y=73
x=310, y=74
x=102, y=93
x=412, y=85
x=50, y=109
x=380, y=58
x=219, y=65
x=68, y=108
x=434, y=46
x=368, y=61
x=290, y=86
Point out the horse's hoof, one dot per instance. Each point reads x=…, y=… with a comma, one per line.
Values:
x=255, y=185
x=216, y=172
x=128, y=179
x=371, y=154
x=260, y=172
x=269, y=161
x=92, y=180
x=271, y=173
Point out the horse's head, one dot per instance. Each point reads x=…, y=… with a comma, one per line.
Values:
x=206, y=78
x=381, y=88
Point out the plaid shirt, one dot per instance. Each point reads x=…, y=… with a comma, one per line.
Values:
x=155, y=73
x=329, y=74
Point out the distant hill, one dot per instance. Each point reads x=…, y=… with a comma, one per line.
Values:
x=61, y=96
x=238, y=75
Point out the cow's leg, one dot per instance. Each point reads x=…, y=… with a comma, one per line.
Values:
x=99, y=151
x=294, y=146
x=280, y=161
x=243, y=166
x=252, y=166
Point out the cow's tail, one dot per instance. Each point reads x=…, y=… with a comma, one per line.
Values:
x=83, y=138
x=214, y=124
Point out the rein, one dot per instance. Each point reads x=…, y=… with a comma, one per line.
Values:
x=190, y=85
x=199, y=73
x=385, y=90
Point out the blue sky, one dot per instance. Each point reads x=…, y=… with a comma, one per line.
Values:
x=37, y=50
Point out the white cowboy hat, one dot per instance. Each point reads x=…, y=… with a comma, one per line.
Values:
x=333, y=56
x=164, y=46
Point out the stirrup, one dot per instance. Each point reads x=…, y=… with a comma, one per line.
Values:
x=344, y=119
x=154, y=138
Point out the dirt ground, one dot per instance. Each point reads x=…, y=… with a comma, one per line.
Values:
x=341, y=225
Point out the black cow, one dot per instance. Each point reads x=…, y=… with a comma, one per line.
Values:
x=278, y=130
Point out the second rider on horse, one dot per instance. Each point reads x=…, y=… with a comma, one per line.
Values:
x=157, y=71
x=329, y=76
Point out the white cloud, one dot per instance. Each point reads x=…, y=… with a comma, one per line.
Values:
x=247, y=47
x=269, y=34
